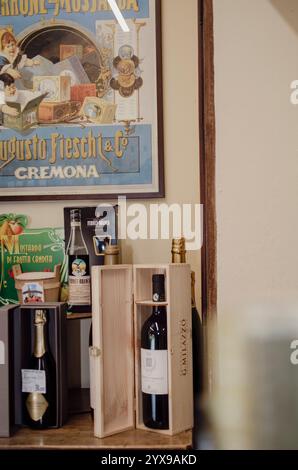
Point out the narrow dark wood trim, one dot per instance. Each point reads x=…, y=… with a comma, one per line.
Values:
x=160, y=113
x=207, y=158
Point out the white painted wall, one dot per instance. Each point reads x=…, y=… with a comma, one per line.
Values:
x=256, y=46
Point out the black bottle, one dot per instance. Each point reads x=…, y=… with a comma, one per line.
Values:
x=154, y=362
x=39, y=381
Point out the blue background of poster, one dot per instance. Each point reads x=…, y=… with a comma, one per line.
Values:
x=134, y=167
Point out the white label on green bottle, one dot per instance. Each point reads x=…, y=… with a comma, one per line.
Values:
x=33, y=381
x=154, y=371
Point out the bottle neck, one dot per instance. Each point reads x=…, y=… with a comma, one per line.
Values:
x=75, y=223
x=178, y=251
x=112, y=255
x=76, y=244
x=158, y=310
x=76, y=228
x=40, y=342
x=178, y=258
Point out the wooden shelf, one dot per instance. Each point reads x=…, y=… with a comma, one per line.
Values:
x=77, y=434
x=151, y=303
x=78, y=316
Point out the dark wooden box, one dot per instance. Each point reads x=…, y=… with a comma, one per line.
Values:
x=6, y=373
x=23, y=343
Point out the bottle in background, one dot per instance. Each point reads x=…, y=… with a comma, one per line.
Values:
x=178, y=256
x=112, y=255
x=78, y=263
x=154, y=361
x=178, y=250
x=39, y=382
x=197, y=342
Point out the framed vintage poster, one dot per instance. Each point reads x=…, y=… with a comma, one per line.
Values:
x=80, y=99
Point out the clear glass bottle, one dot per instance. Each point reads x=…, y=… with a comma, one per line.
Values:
x=79, y=280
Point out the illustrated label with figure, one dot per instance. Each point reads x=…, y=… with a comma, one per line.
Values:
x=79, y=280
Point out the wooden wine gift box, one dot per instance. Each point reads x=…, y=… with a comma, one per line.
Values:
x=121, y=298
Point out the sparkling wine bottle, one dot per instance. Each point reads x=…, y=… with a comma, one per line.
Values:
x=154, y=361
x=39, y=382
x=78, y=263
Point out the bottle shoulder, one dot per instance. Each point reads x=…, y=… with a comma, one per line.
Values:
x=46, y=359
x=155, y=326
x=76, y=243
x=156, y=318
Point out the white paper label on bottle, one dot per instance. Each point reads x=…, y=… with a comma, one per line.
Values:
x=33, y=381
x=79, y=290
x=154, y=371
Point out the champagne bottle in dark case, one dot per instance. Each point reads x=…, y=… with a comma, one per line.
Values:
x=154, y=361
x=79, y=280
x=40, y=403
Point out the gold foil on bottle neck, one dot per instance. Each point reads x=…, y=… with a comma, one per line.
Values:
x=40, y=317
x=112, y=253
x=40, y=320
x=178, y=250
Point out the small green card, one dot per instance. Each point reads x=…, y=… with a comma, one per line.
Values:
x=33, y=249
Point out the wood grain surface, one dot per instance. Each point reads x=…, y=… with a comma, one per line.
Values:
x=78, y=434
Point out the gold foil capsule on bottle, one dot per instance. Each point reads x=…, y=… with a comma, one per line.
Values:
x=178, y=250
x=112, y=255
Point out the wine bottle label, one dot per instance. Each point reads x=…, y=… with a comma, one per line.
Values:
x=79, y=280
x=33, y=381
x=154, y=371
x=36, y=405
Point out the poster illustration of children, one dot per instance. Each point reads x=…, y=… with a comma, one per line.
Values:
x=11, y=58
x=10, y=93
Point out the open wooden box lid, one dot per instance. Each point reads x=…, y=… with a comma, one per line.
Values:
x=112, y=351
